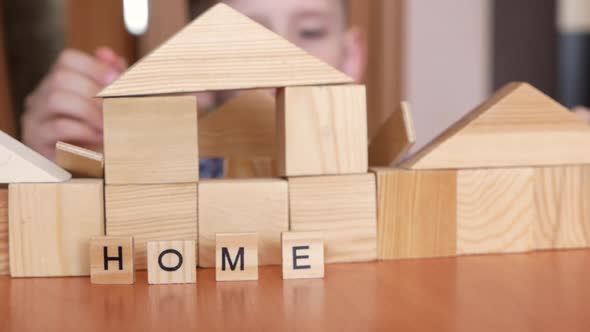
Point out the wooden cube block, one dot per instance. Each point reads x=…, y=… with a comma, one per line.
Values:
x=303, y=255
x=151, y=140
x=151, y=213
x=236, y=257
x=343, y=208
x=82, y=163
x=243, y=206
x=322, y=130
x=51, y=225
x=111, y=260
x=495, y=210
x=417, y=213
x=171, y=262
x=562, y=200
x=4, y=262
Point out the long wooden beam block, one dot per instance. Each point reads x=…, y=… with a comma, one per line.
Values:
x=4, y=257
x=82, y=163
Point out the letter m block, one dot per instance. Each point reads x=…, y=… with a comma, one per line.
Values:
x=236, y=257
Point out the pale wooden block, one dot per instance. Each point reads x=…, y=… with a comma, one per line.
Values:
x=4, y=261
x=50, y=226
x=562, y=199
x=236, y=257
x=243, y=206
x=322, y=130
x=20, y=164
x=208, y=55
x=151, y=213
x=495, y=210
x=80, y=162
x=249, y=168
x=244, y=127
x=518, y=127
x=171, y=262
x=394, y=139
x=111, y=260
x=417, y=213
x=303, y=255
x=151, y=140
x=343, y=208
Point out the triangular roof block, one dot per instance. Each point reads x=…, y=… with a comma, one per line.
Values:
x=223, y=50
x=20, y=164
x=518, y=126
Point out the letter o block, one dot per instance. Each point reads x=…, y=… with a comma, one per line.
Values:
x=303, y=255
x=236, y=257
x=111, y=260
x=171, y=262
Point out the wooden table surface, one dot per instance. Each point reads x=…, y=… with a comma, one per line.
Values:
x=547, y=291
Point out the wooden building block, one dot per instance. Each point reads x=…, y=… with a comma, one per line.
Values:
x=151, y=140
x=171, y=262
x=80, y=162
x=343, y=208
x=395, y=138
x=236, y=257
x=322, y=130
x=223, y=50
x=518, y=127
x=303, y=255
x=243, y=206
x=417, y=214
x=562, y=200
x=50, y=226
x=495, y=210
x=244, y=127
x=4, y=261
x=111, y=260
x=249, y=168
x=151, y=213
x=20, y=164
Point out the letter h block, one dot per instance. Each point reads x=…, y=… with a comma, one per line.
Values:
x=111, y=260
x=236, y=257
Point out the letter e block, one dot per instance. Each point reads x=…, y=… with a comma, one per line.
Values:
x=111, y=260
x=303, y=255
x=171, y=262
x=236, y=257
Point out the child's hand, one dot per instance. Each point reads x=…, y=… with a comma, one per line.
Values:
x=63, y=107
x=583, y=112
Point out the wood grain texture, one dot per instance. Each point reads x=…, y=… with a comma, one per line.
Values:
x=169, y=254
x=322, y=130
x=20, y=164
x=249, y=168
x=223, y=50
x=343, y=208
x=243, y=206
x=50, y=227
x=4, y=257
x=562, y=200
x=80, y=162
x=417, y=215
x=303, y=255
x=151, y=140
x=242, y=127
x=151, y=213
x=241, y=249
x=395, y=138
x=120, y=269
x=518, y=126
x=495, y=211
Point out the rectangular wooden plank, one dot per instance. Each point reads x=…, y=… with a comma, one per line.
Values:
x=80, y=162
x=303, y=255
x=236, y=256
x=417, y=215
x=4, y=257
x=151, y=213
x=171, y=262
x=111, y=260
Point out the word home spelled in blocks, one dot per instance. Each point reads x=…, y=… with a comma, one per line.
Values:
x=303, y=255
x=236, y=257
x=322, y=130
x=243, y=206
x=111, y=260
x=50, y=226
x=151, y=140
x=343, y=208
x=151, y=213
x=171, y=262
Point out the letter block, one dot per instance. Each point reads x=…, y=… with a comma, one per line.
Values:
x=111, y=260
x=171, y=262
x=236, y=257
x=303, y=255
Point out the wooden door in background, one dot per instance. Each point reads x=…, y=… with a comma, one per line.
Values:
x=7, y=124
